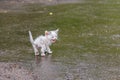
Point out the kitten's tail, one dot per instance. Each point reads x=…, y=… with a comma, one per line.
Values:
x=31, y=38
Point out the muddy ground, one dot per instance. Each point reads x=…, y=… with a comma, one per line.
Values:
x=14, y=71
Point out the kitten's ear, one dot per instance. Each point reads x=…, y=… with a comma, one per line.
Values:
x=47, y=32
x=57, y=30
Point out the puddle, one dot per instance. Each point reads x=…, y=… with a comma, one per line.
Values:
x=90, y=66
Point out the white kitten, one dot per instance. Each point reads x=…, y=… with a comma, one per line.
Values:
x=43, y=42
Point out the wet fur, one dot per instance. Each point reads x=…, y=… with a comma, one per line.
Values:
x=43, y=43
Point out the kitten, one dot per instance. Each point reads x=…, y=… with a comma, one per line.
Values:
x=43, y=42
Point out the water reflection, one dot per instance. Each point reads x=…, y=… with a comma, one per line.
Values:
x=89, y=67
x=37, y=60
x=43, y=60
x=45, y=68
x=48, y=69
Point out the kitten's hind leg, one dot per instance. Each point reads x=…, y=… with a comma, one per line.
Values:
x=43, y=50
x=36, y=51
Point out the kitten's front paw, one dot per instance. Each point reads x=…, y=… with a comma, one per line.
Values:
x=49, y=51
x=42, y=54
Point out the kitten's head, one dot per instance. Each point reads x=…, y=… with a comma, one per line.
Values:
x=52, y=35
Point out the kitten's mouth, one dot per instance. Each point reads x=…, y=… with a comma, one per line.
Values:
x=53, y=40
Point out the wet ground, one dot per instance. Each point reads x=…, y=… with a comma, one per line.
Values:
x=92, y=67
x=100, y=60
x=89, y=66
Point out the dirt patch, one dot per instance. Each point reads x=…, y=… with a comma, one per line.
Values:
x=14, y=71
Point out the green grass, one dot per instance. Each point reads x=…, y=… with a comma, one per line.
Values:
x=89, y=27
